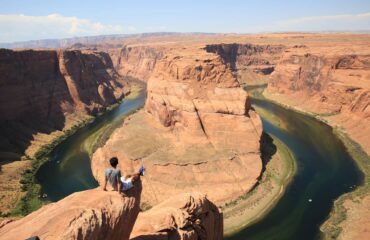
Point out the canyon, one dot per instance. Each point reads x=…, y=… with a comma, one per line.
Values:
x=192, y=123
x=44, y=95
x=53, y=90
x=197, y=132
x=326, y=75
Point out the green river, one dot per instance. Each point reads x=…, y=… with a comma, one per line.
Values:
x=325, y=169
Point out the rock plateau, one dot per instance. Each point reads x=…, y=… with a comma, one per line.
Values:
x=196, y=133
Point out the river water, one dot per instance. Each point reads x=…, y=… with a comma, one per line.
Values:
x=68, y=169
x=325, y=170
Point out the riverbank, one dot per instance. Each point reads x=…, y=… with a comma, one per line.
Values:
x=24, y=197
x=29, y=190
x=279, y=171
x=350, y=213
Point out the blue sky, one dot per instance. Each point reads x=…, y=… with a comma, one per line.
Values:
x=39, y=19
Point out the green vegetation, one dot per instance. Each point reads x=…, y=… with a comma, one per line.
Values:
x=331, y=227
x=31, y=201
x=277, y=175
x=144, y=206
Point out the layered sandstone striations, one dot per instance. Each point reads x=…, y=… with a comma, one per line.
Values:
x=335, y=86
x=197, y=131
x=331, y=81
x=136, y=61
x=252, y=64
x=186, y=216
x=91, y=214
x=42, y=95
x=51, y=90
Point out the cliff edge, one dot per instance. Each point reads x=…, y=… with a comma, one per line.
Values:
x=91, y=214
x=185, y=216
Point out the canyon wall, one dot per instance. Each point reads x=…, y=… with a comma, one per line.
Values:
x=332, y=81
x=251, y=64
x=196, y=133
x=42, y=92
x=334, y=86
x=136, y=61
x=328, y=76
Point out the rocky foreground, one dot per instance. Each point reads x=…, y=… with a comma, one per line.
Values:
x=97, y=214
x=92, y=214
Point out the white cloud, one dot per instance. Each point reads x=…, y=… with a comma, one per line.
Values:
x=156, y=29
x=342, y=22
x=131, y=28
x=162, y=28
x=19, y=27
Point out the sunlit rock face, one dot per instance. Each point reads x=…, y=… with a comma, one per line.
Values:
x=91, y=214
x=188, y=216
x=197, y=131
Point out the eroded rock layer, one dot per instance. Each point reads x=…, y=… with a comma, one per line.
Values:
x=186, y=216
x=333, y=85
x=136, y=61
x=251, y=63
x=45, y=91
x=89, y=215
x=197, y=131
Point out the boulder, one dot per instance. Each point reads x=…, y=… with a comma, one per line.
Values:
x=189, y=216
x=92, y=214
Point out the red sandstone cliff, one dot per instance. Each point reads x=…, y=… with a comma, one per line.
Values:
x=197, y=133
x=45, y=91
x=186, y=216
x=335, y=86
x=136, y=61
x=91, y=214
x=251, y=64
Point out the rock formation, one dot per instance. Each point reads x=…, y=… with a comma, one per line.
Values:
x=252, y=64
x=51, y=90
x=91, y=214
x=332, y=81
x=186, y=216
x=333, y=85
x=136, y=61
x=42, y=95
x=197, y=131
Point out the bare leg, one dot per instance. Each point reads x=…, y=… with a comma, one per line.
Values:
x=135, y=177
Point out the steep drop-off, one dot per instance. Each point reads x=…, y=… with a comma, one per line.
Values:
x=251, y=64
x=197, y=132
x=91, y=214
x=328, y=78
x=136, y=61
x=334, y=86
x=44, y=94
x=45, y=91
x=183, y=217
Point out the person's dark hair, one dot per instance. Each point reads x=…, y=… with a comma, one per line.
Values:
x=113, y=161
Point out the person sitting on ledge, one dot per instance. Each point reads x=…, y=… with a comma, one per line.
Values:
x=118, y=183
